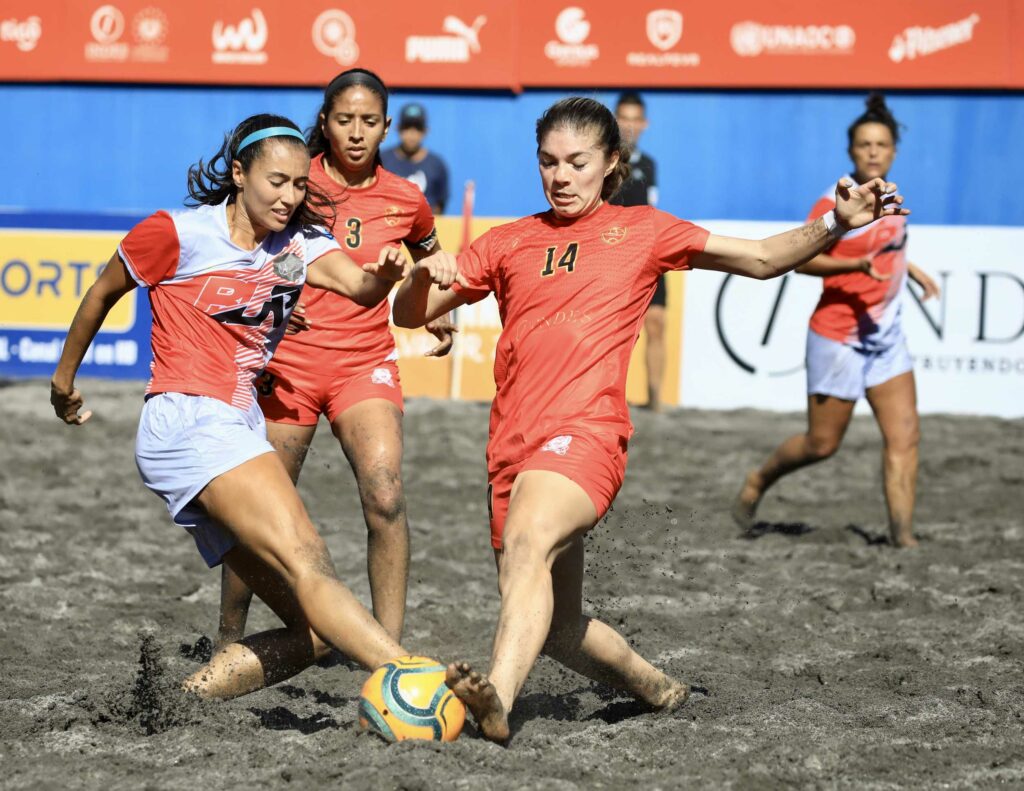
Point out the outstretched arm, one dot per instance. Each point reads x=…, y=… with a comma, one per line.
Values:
x=824, y=265
x=856, y=206
x=426, y=294
x=367, y=285
x=112, y=284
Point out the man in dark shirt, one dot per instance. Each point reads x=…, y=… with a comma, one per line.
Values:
x=411, y=160
x=641, y=189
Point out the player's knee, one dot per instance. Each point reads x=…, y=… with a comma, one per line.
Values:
x=521, y=545
x=382, y=495
x=903, y=442
x=822, y=446
x=309, y=559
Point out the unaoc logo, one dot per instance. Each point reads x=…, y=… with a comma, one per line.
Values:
x=242, y=43
x=334, y=35
x=25, y=34
x=915, y=42
x=750, y=39
x=461, y=41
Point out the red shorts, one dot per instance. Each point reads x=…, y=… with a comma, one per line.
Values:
x=597, y=462
x=298, y=397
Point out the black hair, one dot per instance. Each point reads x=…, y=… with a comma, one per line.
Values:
x=877, y=112
x=631, y=97
x=580, y=114
x=364, y=78
x=211, y=182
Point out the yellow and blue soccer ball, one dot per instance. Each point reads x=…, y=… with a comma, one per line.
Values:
x=407, y=698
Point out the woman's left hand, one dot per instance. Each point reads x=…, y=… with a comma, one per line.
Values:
x=443, y=329
x=931, y=288
x=391, y=265
x=859, y=205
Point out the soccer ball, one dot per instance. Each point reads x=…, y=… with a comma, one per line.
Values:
x=407, y=698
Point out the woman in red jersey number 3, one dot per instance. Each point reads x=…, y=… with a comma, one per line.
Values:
x=572, y=286
x=344, y=364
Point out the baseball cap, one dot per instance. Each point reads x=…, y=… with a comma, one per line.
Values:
x=412, y=115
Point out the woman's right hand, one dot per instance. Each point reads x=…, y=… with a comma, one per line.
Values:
x=440, y=268
x=66, y=403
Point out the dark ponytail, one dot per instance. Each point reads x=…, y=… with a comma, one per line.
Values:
x=877, y=112
x=364, y=78
x=211, y=182
x=579, y=114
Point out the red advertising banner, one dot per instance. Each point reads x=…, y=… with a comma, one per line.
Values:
x=520, y=43
x=749, y=43
x=465, y=43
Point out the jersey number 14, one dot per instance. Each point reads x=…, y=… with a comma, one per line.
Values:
x=567, y=260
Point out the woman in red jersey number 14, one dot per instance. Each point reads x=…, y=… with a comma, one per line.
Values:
x=223, y=278
x=855, y=344
x=343, y=364
x=572, y=286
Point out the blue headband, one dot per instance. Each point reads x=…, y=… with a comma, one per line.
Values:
x=273, y=131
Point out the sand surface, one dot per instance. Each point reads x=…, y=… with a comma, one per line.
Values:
x=824, y=658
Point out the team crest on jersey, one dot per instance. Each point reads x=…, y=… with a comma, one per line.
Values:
x=288, y=266
x=382, y=376
x=391, y=216
x=614, y=235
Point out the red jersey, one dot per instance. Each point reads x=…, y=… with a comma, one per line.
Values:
x=218, y=310
x=346, y=336
x=572, y=296
x=854, y=307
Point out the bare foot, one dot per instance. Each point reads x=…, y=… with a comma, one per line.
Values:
x=903, y=540
x=478, y=693
x=675, y=697
x=744, y=509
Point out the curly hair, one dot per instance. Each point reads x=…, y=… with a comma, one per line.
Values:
x=211, y=183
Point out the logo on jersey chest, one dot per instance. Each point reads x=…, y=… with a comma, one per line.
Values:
x=614, y=235
x=288, y=266
x=231, y=301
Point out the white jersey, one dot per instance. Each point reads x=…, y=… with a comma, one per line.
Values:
x=219, y=310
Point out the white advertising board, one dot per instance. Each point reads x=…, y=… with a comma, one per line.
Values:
x=743, y=340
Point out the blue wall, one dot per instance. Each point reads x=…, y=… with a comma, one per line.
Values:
x=720, y=155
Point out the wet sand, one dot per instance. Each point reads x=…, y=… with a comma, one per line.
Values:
x=822, y=657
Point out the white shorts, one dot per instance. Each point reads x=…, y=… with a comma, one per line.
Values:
x=183, y=443
x=844, y=371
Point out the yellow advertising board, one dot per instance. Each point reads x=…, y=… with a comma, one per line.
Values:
x=44, y=274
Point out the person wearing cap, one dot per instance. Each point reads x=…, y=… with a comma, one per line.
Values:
x=641, y=189
x=413, y=161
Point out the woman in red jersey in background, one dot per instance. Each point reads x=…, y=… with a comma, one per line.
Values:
x=855, y=343
x=223, y=278
x=343, y=364
x=572, y=285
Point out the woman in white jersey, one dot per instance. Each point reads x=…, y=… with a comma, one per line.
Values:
x=855, y=343
x=223, y=278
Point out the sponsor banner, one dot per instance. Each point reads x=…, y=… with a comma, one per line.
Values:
x=43, y=277
x=494, y=44
x=748, y=43
x=468, y=43
x=744, y=339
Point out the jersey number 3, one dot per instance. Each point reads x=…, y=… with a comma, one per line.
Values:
x=567, y=260
x=355, y=229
